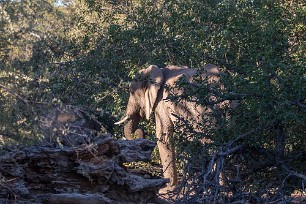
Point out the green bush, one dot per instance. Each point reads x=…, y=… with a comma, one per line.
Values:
x=88, y=59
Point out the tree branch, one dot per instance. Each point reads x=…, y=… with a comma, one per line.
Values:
x=10, y=91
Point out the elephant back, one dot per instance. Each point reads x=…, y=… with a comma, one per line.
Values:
x=173, y=73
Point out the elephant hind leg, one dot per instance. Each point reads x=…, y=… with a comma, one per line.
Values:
x=167, y=155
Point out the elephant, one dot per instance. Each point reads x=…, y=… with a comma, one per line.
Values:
x=149, y=92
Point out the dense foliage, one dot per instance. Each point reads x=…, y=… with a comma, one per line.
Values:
x=83, y=53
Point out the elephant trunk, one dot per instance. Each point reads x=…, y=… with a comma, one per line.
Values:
x=131, y=126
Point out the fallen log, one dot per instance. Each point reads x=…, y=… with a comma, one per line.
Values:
x=89, y=173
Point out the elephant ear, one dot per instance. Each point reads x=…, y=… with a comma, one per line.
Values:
x=154, y=81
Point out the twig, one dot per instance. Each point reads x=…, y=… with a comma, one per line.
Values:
x=298, y=103
x=294, y=172
x=10, y=91
x=243, y=136
x=230, y=151
x=11, y=191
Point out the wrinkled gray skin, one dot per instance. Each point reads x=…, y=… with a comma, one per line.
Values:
x=147, y=95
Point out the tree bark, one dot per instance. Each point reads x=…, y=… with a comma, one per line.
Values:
x=93, y=173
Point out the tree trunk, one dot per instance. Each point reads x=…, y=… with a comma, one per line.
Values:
x=81, y=174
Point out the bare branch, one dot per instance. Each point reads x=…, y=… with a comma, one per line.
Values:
x=294, y=172
x=298, y=103
x=12, y=92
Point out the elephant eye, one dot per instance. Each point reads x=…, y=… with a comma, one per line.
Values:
x=131, y=91
x=133, y=87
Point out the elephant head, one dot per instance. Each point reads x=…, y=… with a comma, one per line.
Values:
x=143, y=94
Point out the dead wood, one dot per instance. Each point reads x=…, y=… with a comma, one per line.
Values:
x=91, y=173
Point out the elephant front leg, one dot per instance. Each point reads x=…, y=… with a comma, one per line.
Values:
x=164, y=133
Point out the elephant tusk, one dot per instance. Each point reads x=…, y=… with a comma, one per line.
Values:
x=123, y=120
